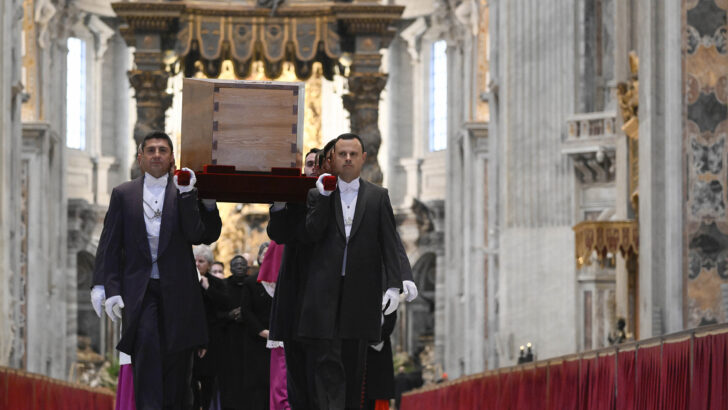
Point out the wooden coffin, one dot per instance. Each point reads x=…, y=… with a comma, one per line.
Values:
x=251, y=125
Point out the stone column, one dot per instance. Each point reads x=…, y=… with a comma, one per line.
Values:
x=365, y=86
x=149, y=79
x=11, y=90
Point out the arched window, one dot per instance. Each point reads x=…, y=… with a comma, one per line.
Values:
x=438, y=96
x=76, y=94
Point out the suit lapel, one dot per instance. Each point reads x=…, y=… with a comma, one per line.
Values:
x=339, y=212
x=360, y=207
x=169, y=213
x=138, y=217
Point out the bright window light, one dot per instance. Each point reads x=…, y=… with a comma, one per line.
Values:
x=76, y=94
x=438, y=96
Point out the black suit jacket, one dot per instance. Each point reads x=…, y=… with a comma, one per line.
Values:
x=350, y=309
x=127, y=262
x=288, y=227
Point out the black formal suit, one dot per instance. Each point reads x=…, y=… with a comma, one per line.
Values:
x=349, y=308
x=288, y=227
x=343, y=313
x=163, y=320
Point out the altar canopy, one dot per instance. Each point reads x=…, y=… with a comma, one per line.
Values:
x=191, y=36
x=302, y=40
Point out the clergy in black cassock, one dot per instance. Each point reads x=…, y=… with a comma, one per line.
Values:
x=233, y=369
x=255, y=312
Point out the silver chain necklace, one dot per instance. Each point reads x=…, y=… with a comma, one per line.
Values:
x=157, y=212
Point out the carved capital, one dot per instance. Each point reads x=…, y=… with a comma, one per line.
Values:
x=150, y=91
x=151, y=87
x=362, y=102
x=364, y=91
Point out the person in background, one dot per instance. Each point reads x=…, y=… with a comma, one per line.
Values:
x=379, y=379
x=287, y=228
x=268, y=277
x=125, y=384
x=255, y=305
x=233, y=364
x=218, y=270
x=325, y=158
x=379, y=384
x=205, y=369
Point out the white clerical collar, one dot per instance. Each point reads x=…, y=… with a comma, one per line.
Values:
x=151, y=181
x=352, y=186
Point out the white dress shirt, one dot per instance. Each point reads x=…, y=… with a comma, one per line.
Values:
x=349, y=193
x=153, y=204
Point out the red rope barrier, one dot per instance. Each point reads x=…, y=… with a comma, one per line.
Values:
x=669, y=372
x=20, y=390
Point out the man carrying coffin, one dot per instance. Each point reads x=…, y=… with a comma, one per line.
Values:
x=149, y=271
x=354, y=275
x=287, y=227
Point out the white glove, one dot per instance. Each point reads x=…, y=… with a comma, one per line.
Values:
x=320, y=185
x=410, y=290
x=277, y=206
x=97, y=298
x=391, y=297
x=208, y=203
x=186, y=188
x=114, y=305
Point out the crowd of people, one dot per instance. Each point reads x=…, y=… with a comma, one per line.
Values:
x=309, y=329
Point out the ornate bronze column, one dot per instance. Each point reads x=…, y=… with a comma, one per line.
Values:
x=369, y=28
x=150, y=29
x=149, y=80
x=362, y=102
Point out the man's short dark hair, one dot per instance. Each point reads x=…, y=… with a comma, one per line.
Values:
x=329, y=146
x=350, y=136
x=156, y=135
x=313, y=151
x=218, y=263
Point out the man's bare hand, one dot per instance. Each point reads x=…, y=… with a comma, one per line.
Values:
x=201, y=352
x=264, y=334
x=234, y=314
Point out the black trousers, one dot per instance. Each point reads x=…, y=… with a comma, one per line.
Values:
x=300, y=375
x=161, y=378
x=339, y=366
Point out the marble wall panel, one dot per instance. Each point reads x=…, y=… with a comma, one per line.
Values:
x=706, y=126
